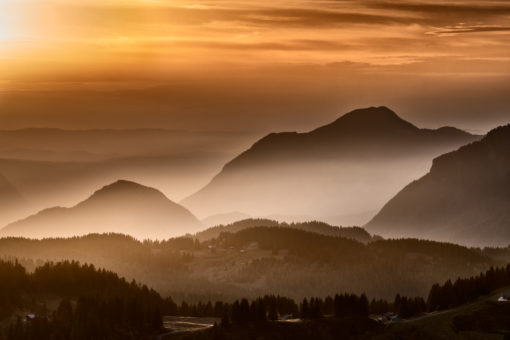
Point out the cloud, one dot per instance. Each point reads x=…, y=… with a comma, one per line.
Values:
x=470, y=29
x=286, y=45
x=467, y=9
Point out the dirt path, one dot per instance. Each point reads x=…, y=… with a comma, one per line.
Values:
x=181, y=324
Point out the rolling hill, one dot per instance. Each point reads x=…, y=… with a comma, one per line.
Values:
x=123, y=206
x=265, y=260
x=354, y=233
x=56, y=167
x=341, y=173
x=465, y=198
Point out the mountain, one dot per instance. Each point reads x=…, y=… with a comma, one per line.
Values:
x=465, y=198
x=353, y=233
x=346, y=169
x=123, y=206
x=55, y=167
x=7, y=191
x=11, y=201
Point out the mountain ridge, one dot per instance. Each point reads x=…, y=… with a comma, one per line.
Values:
x=463, y=198
x=354, y=233
x=122, y=206
x=369, y=123
x=256, y=180
x=11, y=200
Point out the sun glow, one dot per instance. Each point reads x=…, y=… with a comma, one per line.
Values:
x=7, y=21
x=6, y=31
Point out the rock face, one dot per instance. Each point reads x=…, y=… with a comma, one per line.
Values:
x=465, y=198
x=341, y=173
x=122, y=207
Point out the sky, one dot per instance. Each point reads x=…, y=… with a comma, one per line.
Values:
x=231, y=65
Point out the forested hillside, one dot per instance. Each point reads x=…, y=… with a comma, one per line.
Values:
x=92, y=304
x=264, y=260
x=355, y=233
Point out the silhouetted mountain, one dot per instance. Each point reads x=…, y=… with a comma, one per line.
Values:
x=10, y=200
x=347, y=168
x=7, y=191
x=375, y=132
x=55, y=167
x=123, y=206
x=465, y=198
x=60, y=183
x=354, y=233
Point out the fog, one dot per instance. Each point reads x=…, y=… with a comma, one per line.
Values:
x=338, y=192
x=51, y=167
x=336, y=176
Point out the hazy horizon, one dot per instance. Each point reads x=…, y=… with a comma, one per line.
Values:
x=237, y=66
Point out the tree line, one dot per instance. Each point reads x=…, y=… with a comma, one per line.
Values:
x=284, y=258
x=96, y=304
x=275, y=307
x=454, y=294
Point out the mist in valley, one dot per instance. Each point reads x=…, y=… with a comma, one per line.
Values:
x=206, y=170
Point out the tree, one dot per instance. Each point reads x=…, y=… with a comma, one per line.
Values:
x=273, y=313
x=305, y=312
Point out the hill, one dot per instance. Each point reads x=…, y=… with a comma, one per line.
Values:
x=63, y=183
x=123, y=206
x=341, y=173
x=265, y=260
x=355, y=233
x=86, y=303
x=465, y=198
x=483, y=318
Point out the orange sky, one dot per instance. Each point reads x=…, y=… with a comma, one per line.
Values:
x=252, y=64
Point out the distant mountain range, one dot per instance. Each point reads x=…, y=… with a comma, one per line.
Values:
x=49, y=144
x=344, y=171
x=123, y=206
x=465, y=198
x=10, y=200
x=44, y=184
x=7, y=191
x=55, y=167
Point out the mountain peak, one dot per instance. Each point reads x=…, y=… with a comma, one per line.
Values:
x=121, y=207
x=375, y=112
x=370, y=120
x=123, y=184
x=127, y=189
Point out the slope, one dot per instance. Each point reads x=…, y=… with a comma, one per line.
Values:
x=123, y=206
x=341, y=173
x=465, y=198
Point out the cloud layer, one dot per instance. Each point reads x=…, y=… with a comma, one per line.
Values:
x=92, y=45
